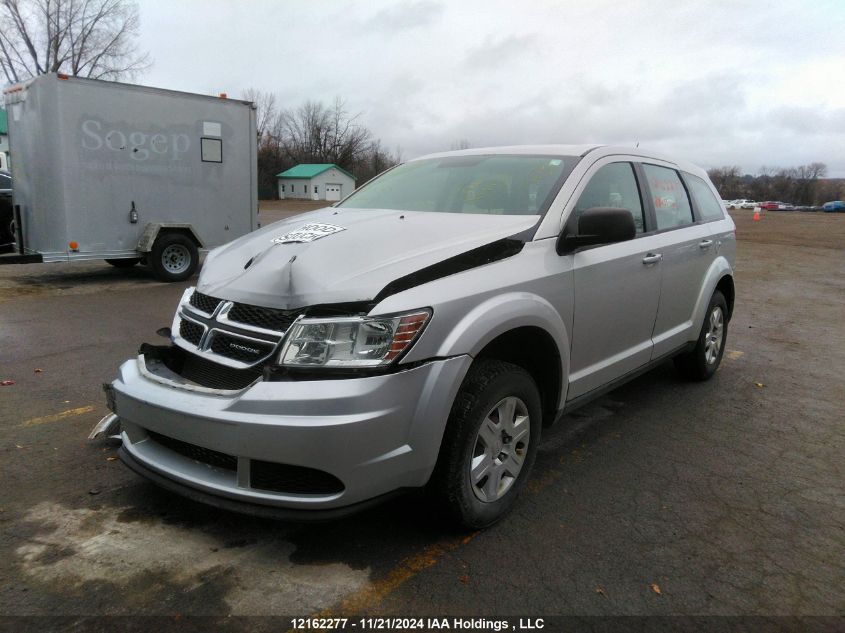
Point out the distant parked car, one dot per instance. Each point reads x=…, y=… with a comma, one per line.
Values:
x=742, y=203
x=7, y=218
x=770, y=205
x=834, y=205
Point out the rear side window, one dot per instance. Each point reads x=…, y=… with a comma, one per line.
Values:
x=5, y=182
x=708, y=207
x=671, y=204
x=613, y=185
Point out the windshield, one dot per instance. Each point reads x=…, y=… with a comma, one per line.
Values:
x=496, y=185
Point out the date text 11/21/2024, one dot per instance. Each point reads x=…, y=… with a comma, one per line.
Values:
x=416, y=624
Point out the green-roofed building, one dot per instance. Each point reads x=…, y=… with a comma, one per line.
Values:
x=315, y=181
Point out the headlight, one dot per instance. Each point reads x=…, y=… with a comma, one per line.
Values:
x=351, y=341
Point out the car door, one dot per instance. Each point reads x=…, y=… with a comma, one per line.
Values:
x=687, y=249
x=616, y=286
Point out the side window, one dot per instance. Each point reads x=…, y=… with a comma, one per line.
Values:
x=5, y=182
x=671, y=204
x=613, y=185
x=708, y=207
x=211, y=150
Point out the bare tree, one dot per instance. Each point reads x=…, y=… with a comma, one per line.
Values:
x=266, y=113
x=460, y=144
x=799, y=185
x=726, y=180
x=374, y=160
x=314, y=133
x=85, y=38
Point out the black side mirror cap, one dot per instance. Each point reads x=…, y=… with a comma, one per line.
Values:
x=597, y=225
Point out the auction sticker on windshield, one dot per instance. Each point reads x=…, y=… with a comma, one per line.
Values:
x=308, y=233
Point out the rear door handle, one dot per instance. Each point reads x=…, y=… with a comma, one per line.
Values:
x=652, y=258
x=705, y=244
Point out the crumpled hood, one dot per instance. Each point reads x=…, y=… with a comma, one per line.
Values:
x=376, y=247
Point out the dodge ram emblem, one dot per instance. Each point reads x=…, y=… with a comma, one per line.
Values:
x=308, y=233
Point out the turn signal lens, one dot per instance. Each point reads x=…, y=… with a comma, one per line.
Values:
x=409, y=327
x=74, y=246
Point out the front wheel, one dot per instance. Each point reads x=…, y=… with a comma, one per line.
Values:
x=490, y=443
x=703, y=361
x=174, y=257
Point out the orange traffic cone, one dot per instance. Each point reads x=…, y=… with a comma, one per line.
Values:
x=756, y=217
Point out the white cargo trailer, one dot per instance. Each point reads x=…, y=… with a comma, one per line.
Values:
x=127, y=173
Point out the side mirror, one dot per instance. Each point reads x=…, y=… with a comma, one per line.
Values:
x=597, y=225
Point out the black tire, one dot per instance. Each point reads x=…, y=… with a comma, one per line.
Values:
x=701, y=363
x=174, y=257
x=487, y=383
x=123, y=263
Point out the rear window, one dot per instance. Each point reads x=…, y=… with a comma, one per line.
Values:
x=493, y=185
x=671, y=204
x=708, y=207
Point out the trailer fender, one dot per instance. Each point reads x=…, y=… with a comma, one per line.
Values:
x=152, y=230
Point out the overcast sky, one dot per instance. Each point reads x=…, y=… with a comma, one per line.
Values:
x=745, y=83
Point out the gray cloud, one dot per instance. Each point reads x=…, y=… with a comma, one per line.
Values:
x=410, y=14
x=693, y=79
x=495, y=52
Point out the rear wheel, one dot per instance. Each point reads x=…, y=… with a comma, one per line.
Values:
x=490, y=443
x=703, y=361
x=174, y=257
x=128, y=262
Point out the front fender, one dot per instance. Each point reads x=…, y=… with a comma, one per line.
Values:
x=500, y=314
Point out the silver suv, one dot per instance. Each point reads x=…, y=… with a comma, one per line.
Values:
x=424, y=330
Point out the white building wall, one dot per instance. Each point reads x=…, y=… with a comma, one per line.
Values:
x=332, y=176
x=294, y=187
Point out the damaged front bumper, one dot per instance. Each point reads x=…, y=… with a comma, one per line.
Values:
x=108, y=427
x=299, y=444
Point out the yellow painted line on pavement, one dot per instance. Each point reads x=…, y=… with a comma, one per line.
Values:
x=58, y=416
x=362, y=601
x=734, y=354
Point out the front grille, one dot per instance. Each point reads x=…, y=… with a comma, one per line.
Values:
x=215, y=376
x=292, y=479
x=267, y=318
x=239, y=349
x=204, y=302
x=197, y=453
x=190, y=331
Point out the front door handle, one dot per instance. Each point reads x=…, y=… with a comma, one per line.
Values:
x=652, y=258
x=705, y=244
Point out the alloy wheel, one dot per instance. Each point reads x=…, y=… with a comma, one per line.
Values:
x=500, y=449
x=713, y=336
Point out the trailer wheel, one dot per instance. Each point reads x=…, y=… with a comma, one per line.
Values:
x=123, y=263
x=174, y=257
